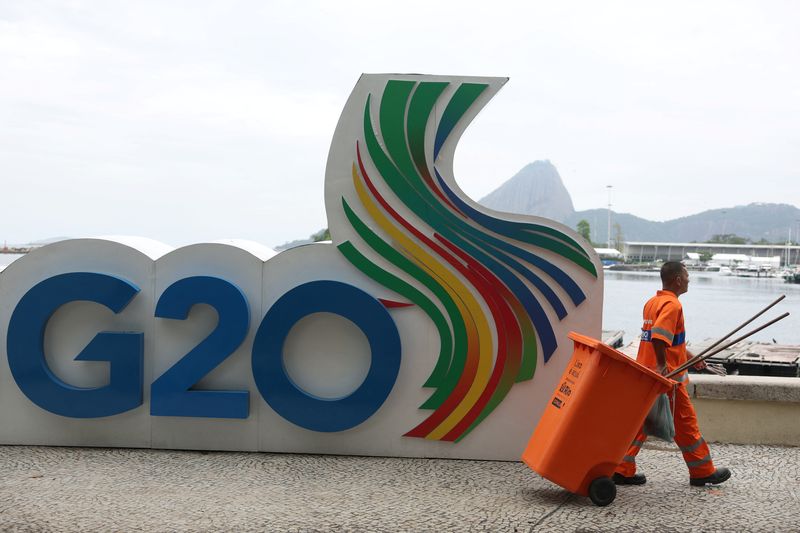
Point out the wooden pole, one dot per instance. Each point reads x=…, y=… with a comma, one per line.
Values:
x=697, y=358
x=715, y=352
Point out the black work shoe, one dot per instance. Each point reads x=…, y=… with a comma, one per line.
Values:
x=636, y=479
x=719, y=475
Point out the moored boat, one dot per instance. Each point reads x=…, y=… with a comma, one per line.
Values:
x=754, y=271
x=792, y=277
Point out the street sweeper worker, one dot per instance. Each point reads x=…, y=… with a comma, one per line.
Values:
x=663, y=349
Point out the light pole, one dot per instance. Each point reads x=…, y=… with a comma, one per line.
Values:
x=788, y=248
x=796, y=240
x=609, y=215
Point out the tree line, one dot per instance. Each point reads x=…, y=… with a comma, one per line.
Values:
x=585, y=230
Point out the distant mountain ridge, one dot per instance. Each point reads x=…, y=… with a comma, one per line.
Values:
x=538, y=190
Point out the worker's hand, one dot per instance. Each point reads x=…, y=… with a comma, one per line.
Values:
x=700, y=365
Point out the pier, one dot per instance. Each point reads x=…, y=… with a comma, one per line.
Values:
x=643, y=252
x=14, y=250
x=743, y=359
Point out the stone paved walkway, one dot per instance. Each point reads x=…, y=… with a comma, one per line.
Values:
x=83, y=489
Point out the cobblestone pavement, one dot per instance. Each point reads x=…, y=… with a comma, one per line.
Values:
x=84, y=489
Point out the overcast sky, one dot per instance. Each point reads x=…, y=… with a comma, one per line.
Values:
x=195, y=121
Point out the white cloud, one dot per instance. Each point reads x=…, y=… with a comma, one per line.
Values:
x=228, y=108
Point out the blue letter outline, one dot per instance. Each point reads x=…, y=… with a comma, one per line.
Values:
x=123, y=350
x=295, y=404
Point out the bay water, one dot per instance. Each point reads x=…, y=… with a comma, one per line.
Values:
x=713, y=307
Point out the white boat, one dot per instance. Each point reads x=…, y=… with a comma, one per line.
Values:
x=754, y=271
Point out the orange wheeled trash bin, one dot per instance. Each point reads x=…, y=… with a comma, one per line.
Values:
x=597, y=409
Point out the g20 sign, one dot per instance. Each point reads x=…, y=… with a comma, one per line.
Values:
x=431, y=326
x=171, y=394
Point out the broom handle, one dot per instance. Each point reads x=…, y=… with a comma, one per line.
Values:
x=715, y=352
x=697, y=358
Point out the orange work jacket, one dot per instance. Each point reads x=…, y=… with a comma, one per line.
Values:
x=663, y=320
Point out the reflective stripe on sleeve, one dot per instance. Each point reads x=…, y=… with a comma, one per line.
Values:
x=664, y=333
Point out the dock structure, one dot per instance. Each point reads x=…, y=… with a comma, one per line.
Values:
x=746, y=358
x=14, y=250
x=676, y=251
x=757, y=359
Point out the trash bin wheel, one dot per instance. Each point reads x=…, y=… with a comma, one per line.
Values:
x=602, y=491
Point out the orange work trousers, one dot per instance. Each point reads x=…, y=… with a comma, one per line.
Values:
x=687, y=437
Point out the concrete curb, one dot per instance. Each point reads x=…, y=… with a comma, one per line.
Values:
x=747, y=388
x=747, y=409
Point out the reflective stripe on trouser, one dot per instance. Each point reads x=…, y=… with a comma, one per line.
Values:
x=687, y=436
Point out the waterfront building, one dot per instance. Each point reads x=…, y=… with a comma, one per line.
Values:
x=642, y=252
